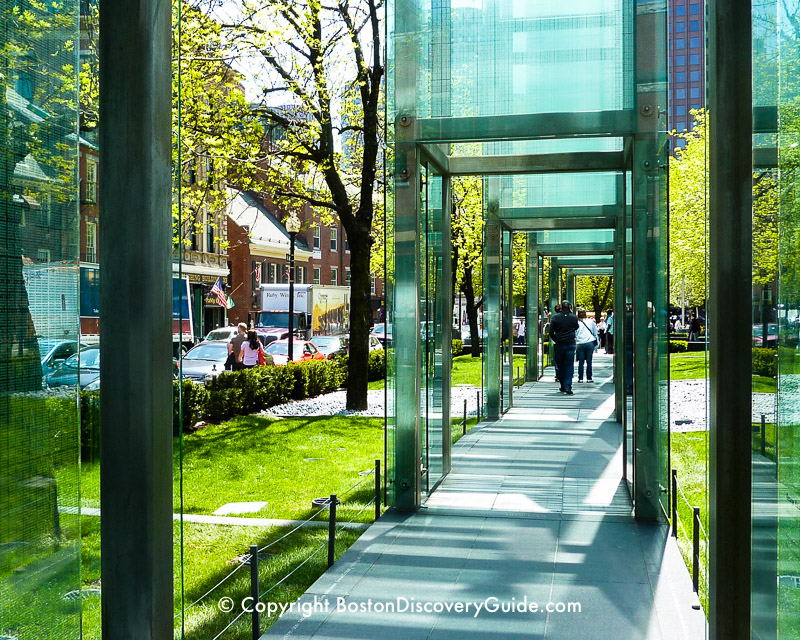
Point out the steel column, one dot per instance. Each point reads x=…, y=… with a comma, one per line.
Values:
x=532, y=311
x=492, y=299
x=443, y=358
x=136, y=317
x=730, y=239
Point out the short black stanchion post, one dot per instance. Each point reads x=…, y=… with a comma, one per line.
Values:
x=254, y=591
x=377, y=489
x=763, y=435
x=464, y=424
x=696, y=550
x=675, y=503
x=332, y=530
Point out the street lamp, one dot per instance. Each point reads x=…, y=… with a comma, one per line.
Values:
x=292, y=226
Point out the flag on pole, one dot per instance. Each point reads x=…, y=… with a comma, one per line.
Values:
x=230, y=304
x=217, y=290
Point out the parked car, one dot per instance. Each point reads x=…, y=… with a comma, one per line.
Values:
x=772, y=335
x=56, y=352
x=95, y=385
x=205, y=361
x=81, y=368
x=380, y=332
x=331, y=346
x=302, y=350
x=375, y=344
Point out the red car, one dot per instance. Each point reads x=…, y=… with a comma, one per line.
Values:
x=301, y=351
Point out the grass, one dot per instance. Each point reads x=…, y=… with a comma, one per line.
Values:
x=457, y=428
x=691, y=366
x=467, y=370
x=285, y=463
x=689, y=457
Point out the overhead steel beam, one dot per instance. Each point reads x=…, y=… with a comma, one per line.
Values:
x=438, y=157
x=506, y=165
x=550, y=224
x=765, y=119
x=592, y=271
x=586, y=211
x=576, y=249
x=528, y=126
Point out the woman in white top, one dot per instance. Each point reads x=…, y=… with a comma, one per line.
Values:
x=586, y=343
x=251, y=347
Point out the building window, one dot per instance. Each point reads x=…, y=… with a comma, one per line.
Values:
x=694, y=9
x=373, y=287
x=347, y=276
x=90, y=189
x=680, y=94
x=316, y=275
x=315, y=231
x=694, y=76
x=300, y=276
x=91, y=242
x=680, y=127
x=694, y=58
x=680, y=43
x=271, y=273
x=680, y=76
x=255, y=283
x=680, y=27
x=210, y=238
x=694, y=25
x=680, y=110
x=334, y=275
x=694, y=107
x=680, y=61
x=680, y=10
x=694, y=43
x=334, y=239
x=43, y=255
x=695, y=92
x=346, y=244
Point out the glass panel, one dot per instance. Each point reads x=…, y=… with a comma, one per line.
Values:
x=40, y=529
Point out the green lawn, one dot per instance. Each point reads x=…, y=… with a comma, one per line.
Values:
x=690, y=366
x=285, y=463
x=467, y=370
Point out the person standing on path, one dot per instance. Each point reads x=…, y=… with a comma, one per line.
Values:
x=234, y=347
x=601, y=333
x=521, y=332
x=694, y=328
x=563, y=328
x=610, y=331
x=586, y=343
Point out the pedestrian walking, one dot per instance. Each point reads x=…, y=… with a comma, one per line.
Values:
x=601, y=333
x=586, y=343
x=252, y=352
x=521, y=332
x=610, y=331
x=234, y=347
x=563, y=327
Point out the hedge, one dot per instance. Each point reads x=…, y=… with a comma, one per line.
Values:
x=458, y=347
x=677, y=346
x=235, y=393
x=765, y=362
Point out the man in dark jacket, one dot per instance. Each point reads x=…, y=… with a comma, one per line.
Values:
x=563, y=326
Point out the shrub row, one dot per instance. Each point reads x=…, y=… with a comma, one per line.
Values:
x=677, y=346
x=235, y=393
x=765, y=362
x=458, y=347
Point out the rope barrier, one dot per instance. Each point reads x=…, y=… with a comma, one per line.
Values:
x=344, y=524
x=243, y=563
x=319, y=548
x=302, y=524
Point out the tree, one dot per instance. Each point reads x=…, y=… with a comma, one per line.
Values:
x=466, y=231
x=595, y=293
x=320, y=75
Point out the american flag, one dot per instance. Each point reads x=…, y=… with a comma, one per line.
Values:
x=218, y=291
x=258, y=273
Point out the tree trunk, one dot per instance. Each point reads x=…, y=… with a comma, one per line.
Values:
x=360, y=316
x=472, y=312
x=453, y=278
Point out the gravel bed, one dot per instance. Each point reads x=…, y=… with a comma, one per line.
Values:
x=688, y=400
x=334, y=404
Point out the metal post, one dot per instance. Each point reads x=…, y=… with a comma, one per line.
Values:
x=730, y=286
x=696, y=549
x=332, y=531
x=377, y=489
x=136, y=256
x=292, y=235
x=675, y=503
x=465, y=418
x=254, y=590
x=763, y=435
